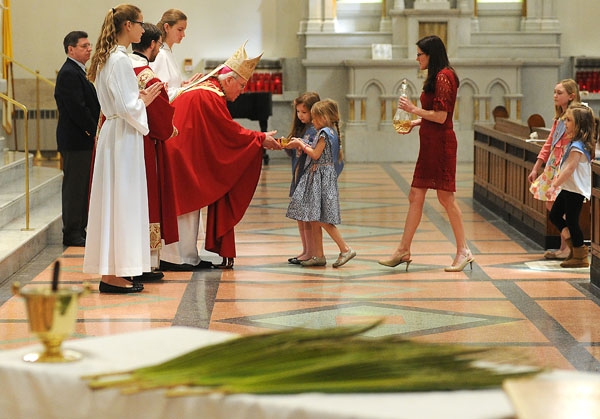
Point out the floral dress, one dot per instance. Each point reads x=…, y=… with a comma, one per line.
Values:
x=300, y=160
x=316, y=197
x=553, y=149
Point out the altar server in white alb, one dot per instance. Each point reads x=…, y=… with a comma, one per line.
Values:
x=172, y=25
x=117, y=245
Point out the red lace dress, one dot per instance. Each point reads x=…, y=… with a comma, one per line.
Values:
x=436, y=164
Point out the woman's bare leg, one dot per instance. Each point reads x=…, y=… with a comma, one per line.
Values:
x=416, y=200
x=449, y=203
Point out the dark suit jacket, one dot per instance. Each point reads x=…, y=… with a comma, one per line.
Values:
x=78, y=108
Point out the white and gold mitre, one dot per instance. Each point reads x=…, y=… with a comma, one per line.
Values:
x=241, y=64
x=238, y=62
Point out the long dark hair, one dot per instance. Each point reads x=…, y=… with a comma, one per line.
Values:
x=307, y=99
x=435, y=49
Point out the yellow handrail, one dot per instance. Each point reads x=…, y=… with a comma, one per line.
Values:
x=35, y=73
x=26, y=145
x=38, y=154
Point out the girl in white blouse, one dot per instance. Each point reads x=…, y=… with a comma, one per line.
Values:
x=172, y=24
x=575, y=182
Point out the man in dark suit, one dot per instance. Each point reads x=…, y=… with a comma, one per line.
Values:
x=78, y=112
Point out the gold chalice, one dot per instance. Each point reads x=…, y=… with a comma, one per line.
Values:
x=52, y=316
x=284, y=141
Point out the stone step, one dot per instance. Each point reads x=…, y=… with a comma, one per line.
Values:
x=12, y=167
x=515, y=51
x=22, y=238
x=515, y=38
x=343, y=46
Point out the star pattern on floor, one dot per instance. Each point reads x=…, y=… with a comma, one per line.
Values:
x=399, y=320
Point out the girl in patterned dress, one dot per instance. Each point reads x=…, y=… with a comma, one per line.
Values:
x=302, y=128
x=316, y=198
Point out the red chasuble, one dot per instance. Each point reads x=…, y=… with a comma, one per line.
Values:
x=214, y=162
x=163, y=220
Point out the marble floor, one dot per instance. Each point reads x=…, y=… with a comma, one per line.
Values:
x=512, y=298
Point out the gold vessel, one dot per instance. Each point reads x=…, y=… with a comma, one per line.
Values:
x=401, y=119
x=52, y=316
x=401, y=126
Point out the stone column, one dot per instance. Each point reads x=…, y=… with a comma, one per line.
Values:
x=385, y=25
x=398, y=4
x=539, y=15
x=356, y=110
x=329, y=8
x=474, y=17
x=315, y=16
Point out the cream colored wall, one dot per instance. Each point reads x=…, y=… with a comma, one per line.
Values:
x=579, y=26
x=270, y=25
x=215, y=28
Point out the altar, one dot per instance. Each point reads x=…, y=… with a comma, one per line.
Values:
x=58, y=391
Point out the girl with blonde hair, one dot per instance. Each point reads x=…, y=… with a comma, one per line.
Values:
x=172, y=25
x=316, y=198
x=574, y=182
x=565, y=92
x=117, y=245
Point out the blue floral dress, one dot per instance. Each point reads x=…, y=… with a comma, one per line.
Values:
x=316, y=197
x=300, y=161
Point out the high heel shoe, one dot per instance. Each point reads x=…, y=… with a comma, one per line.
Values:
x=226, y=264
x=393, y=262
x=469, y=259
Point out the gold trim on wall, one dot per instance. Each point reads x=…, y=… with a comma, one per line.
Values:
x=434, y=28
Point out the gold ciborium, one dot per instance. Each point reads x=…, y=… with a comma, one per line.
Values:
x=52, y=316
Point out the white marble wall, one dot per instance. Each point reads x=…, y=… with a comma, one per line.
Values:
x=516, y=69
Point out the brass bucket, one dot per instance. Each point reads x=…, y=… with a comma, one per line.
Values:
x=52, y=316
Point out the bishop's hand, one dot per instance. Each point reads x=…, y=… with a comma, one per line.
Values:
x=270, y=143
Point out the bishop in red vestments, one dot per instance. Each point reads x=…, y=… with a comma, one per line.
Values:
x=214, y=161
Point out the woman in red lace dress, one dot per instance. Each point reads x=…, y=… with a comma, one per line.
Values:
x=436, y=164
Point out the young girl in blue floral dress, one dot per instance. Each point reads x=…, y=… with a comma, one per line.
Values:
x=316, y=198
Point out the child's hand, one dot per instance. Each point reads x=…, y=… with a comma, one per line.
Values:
x=294, y=143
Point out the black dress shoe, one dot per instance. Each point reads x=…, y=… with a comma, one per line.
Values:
x=154, y=276
x=113, y=289
x=184, y=267
x=204, y=264
x=80, y=242
x=226, y=264
x=175, y=267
